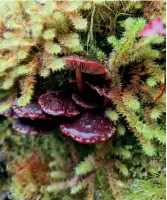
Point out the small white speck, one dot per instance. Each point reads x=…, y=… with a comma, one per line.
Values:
x=78, y=139
x=88, y=126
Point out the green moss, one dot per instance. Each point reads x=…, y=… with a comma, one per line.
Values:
x=34, y=36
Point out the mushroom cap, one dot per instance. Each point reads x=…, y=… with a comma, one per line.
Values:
x=90, y=128
x=55, y=103
x=27, y=126
x=84, y=104
x=86, y=64
x=100, y=90
x=110, y=93
x=30, y=111
x=14, y=114
x=9, y=113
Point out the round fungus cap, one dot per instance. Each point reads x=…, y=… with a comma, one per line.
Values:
x=31, y=111
x=90, y=128
x=10, y=113
x=81, y=102
x=86, y=64
x=100, y=90
x=55, y=103
x=27, y=126
x=14, y=114
x=106, y=92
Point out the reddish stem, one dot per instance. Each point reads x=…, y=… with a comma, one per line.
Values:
x=163, y=89
x=79, y=79
x=106, y=101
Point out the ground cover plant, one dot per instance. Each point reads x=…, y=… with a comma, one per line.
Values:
x=82, y=100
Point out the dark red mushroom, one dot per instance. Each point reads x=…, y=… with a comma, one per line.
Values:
x=27, y=126
x=14, y=114
x=84, y=104
x=31, y=111
x=83, y=64
x=9, y=113
x=57, y=104
x=102, y=91
x=90, y=128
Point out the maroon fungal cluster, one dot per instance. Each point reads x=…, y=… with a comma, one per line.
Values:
x=79, y=113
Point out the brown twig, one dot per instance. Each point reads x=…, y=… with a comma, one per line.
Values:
x=163, y=89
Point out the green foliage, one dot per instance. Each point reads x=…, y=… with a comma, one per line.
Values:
x=33, y=28
x=86, y=166
x=55, y=64
x=130, y=102
x=8, y=103
x=79, y=23
x=49, y=34
x=152, y=189
x=120, y=129
x=151, y=82
x=27, y=91
x=58, y=175
x=112, y=115
x=53, y=48
x=127, y=50
x=78, y=187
